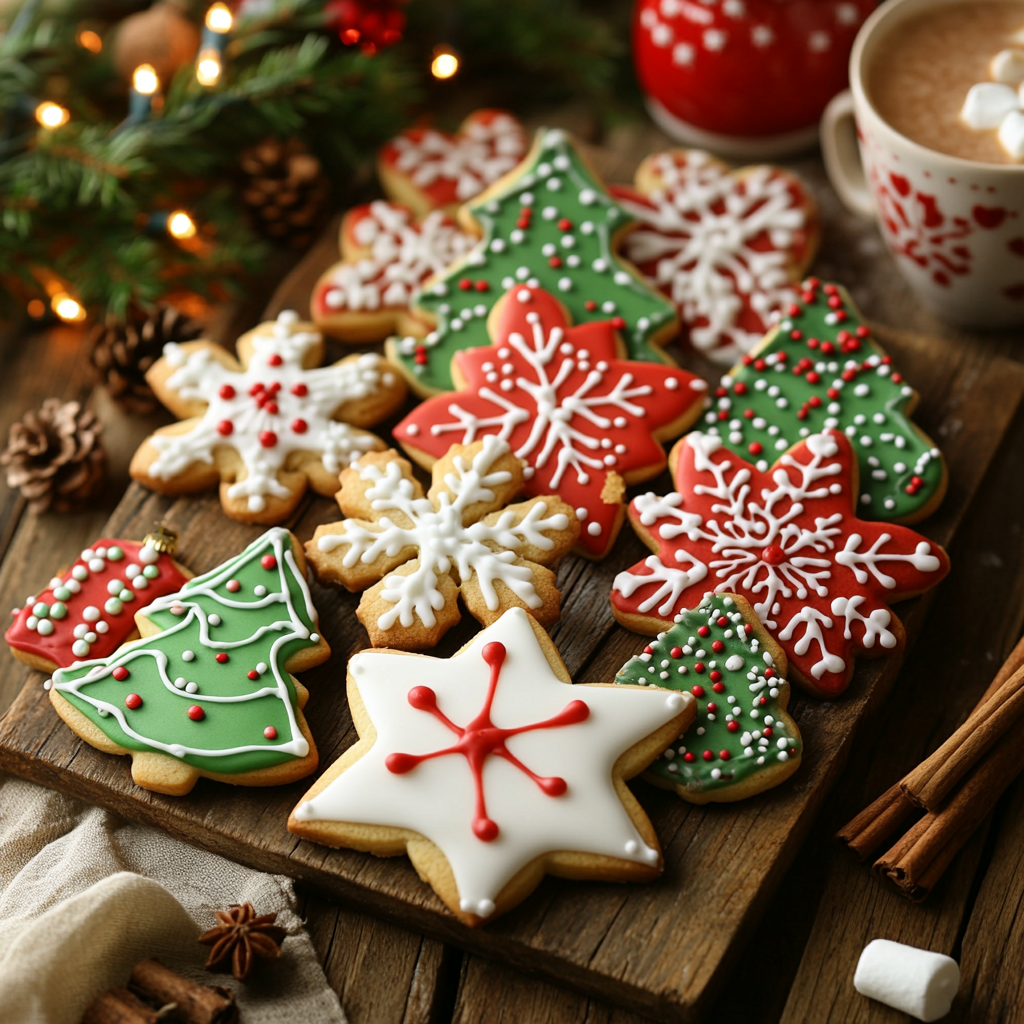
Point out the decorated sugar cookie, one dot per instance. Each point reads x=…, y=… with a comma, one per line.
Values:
x=89, y=610
x=549, y=224
x=820, y=579
x=822, y=369
x=585, y=420
x=727, y=247
x=417, y=554
x=431, y=170
x=385, y=257
x=743, y=741
x=268, y=426
x=489, y=770
x=207, y=690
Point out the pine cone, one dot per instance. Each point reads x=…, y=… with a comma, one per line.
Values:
x=240, y=938
x=122, y=350
x=55, y=456
x=285, y=190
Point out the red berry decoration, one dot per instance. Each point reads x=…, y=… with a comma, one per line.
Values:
x=268, y=562
x=222, y=657
x=120, y=673
x=270, y=733
x=133, y=701
x=196, y=713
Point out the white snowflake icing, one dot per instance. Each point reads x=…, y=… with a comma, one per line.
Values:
x=265, y=431
x=482, y=152
x=698, y=231
x=435, y=529
x=402, y=256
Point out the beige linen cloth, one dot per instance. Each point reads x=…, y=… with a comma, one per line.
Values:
x=85, y=895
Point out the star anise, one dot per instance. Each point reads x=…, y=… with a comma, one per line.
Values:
x=240, y=939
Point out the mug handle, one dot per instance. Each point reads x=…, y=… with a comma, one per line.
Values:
x=842, y=155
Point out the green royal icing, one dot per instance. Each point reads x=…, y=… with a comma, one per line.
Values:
x=254, y=629
x=822, y=369
x=751, y=697
x=575, y=263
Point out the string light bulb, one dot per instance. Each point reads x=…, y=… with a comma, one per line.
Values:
x=445, y=63
x=51, y=115
x=89, y=40
x=219, y=19
x=208, y=68
x=145, y=80
x=181, y=225
x=36, y=309
x=68, y=309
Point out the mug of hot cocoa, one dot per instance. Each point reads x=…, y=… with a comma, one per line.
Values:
x=930, y=141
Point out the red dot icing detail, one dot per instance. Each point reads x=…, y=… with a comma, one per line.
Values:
x=268, y=562
x=480, y=739
x=225, y=428
x=133, y=701
x=270, y=733
x=196, y=713
x=300, y=390
x=253, y=674
x=268, y=438
x=299, y=426
x=222, y=657
x=233, y=586
x=227, y=392
x=120, y=673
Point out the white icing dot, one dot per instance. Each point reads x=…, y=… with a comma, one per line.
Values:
x=191, y=688
x=188, y=655
x=214, y=619
x=594, y=529
x=259, y=590
x=91, y=613
x=80, y=648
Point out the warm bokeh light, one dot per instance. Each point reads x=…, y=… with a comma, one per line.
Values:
x=444, y=64
x=36, y=309
x=208, y=69
x=51, y=115
x=68, y=309
x=89, y=40
x=218, y=18
x=181, y=225
x=144, y=80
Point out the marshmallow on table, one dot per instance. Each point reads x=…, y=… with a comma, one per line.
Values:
x=913, y=980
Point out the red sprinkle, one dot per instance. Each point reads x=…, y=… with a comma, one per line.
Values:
x=689, y=758
x=196, y=713
x=270, y=733
x=300, y=390
x=253, y=674
x=718, y=687
x=226, y=391
x=703, y=631
x=133, y=701
x=268, y=438
x=715, y=676
x=767, y=732
x=221, y=657
x=120, y=673
x=465, y=284
x=482, y=286
x=299, y=426
x=555, y=261
x=590, y=305
x=225, y=427
x=722, y=620
x=755, y=448
x=268, y=562
x=676, y=652
x=724, y=755
x=275, y=360
x=733, y=726
x=740, y=388
x=565, y=224
x=708, y=756
x=699, y=668
x=697, y=691
x=717, y=646
x=712, y=706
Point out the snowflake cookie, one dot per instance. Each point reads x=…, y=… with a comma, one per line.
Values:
x=743, y=741
x=266, y=426
x=821, y=369
x=490, y=770
x=727, y=247
x=431, y=170
x=420, y=553
x=88, y=611
x=207, y=690
x=585, y=420
x=789, y=541
x=385, y=257
x=550, y=224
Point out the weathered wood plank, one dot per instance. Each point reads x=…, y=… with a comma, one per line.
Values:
x=622, y=943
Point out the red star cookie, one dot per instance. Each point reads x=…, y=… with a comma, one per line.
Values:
x=585, y=420
x=789, y=541
x=431, y=170
x=386, y=255
x=727, y=247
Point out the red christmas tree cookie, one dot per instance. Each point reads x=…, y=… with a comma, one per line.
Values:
x=820, y=579
x=584, y=419
x=727, y=247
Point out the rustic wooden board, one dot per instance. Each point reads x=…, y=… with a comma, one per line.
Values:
x=660, y=948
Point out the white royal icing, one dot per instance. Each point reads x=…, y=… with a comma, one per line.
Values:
x=320, y=392
x=402, y=256
x=437, y=798
x=441, y=539
x=698, y=227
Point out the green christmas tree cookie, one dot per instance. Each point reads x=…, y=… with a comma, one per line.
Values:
x=819, y=369
x=206, y=690
x=742, y=741
x=552, y=224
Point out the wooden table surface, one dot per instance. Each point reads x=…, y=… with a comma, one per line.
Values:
x=798, y=964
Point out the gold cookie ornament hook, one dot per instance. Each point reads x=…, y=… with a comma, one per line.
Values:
x=162, y=539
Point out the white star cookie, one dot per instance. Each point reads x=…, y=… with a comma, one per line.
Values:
x=489, y=772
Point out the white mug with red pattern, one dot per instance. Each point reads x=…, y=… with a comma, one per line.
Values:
x=955, y=227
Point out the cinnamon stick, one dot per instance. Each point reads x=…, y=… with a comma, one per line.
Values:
x=119, y=1006
x=916, y=862
x=933, y=780
x=875, y=823
x=196, y=1004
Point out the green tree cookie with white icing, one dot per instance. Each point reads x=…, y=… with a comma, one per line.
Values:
x=743, y=741
x=207, y=690
x=551, y=224
x=821, y=368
